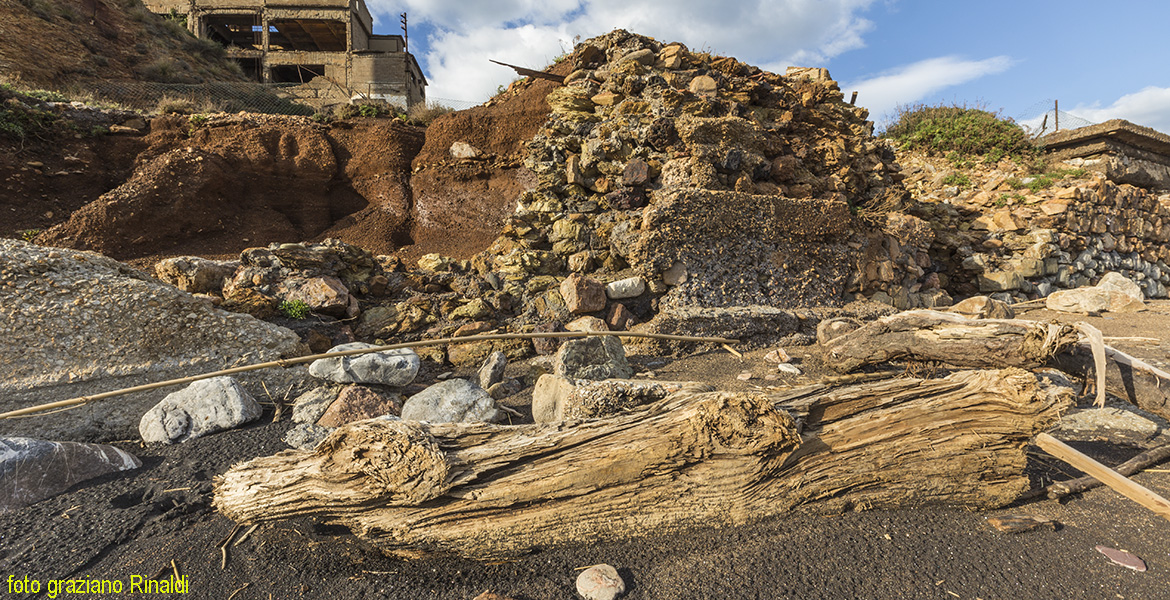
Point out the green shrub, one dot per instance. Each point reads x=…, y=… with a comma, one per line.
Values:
x=46, y=95
x=941, y=130
x=959, y=179
x=294, y=309
x=28, y=235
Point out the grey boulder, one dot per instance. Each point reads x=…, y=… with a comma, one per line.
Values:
x=451, y=401
x=389, y=367
x=600, y=357
x=310, y=405
x=32, y=470
x=492, y=371
x=204, y=407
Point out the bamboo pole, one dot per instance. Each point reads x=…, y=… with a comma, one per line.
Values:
x=1121, y=484
x=1130, y=467
x=288, y=362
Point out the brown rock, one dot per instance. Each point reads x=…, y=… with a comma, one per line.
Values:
x=359, y=402
x=582, y=294
x=619, y=317
x=473, y=328
x=465, y=355
x=587, y=323
x=325, y=295
x=547, y=345
x=637, y=173
x=607, y=98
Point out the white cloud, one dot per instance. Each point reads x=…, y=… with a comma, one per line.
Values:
x=1149, y=107
x=914, y=82
x=770, y=33
x=458, y=64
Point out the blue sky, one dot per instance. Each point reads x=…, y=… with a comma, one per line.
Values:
x=1101, y=60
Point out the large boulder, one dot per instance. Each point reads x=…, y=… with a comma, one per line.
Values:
x=451, y=401
x=77, y=323
x=32, y=470
x=1114, y=293
x=204, y=407
x=599, y=357
x=388, y=367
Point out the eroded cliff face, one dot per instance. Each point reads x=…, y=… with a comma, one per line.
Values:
x=229, y=182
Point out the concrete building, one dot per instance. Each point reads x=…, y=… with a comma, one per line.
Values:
x=295, y=41
x=1122, y=151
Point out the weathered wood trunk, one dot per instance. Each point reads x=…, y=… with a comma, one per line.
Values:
x=1131, y=380
x=691, y=460
x=952, y=339
x=997, y=343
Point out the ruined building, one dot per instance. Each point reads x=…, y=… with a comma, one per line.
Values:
x=295, y=41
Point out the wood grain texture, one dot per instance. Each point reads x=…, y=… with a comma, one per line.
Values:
x=689, y=461
x=952, y=339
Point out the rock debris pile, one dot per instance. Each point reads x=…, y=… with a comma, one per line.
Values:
x=716, y=183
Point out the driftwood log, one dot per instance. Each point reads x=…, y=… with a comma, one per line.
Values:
x=690, y=460
x=950, y=338
x=995, y=343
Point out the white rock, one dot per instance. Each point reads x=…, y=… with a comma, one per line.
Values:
x=600, y=582
x=788, y=369
x=1118, y=282
x=675, y=275
x=629, y=287
x=451, y=401
x=389, y=367
x=463, y=150
x=1092, y=299
x=204, y=407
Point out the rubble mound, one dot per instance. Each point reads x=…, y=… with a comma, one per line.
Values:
x=718, y=183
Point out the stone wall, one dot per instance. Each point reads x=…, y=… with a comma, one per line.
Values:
x=1001, y=237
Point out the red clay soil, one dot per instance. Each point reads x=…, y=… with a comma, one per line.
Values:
x=217, y=186
x=460, y=205
x=232, y=183
x=43, y=182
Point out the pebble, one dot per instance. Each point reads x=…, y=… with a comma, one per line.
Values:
x=788, y=369
x=600, y=582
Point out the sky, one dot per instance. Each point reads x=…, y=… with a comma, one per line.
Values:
x=1100, y=60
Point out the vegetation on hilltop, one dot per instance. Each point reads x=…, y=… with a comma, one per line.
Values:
x=960, y=133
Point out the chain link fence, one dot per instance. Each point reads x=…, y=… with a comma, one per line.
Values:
x=278, y=98
x=1045, y=117
x=449, y=103
x=205, y=97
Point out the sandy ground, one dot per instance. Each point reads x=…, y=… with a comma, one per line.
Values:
x=139, y=523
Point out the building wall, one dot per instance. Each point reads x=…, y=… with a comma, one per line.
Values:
x=373, y=65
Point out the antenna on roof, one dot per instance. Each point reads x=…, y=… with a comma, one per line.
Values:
x=405, y=36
